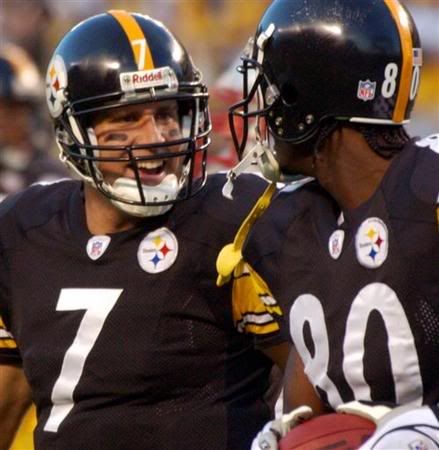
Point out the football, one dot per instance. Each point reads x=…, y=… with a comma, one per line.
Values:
x=331, y=431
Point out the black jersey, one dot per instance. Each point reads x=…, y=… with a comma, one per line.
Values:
x=125, y=339
x=361, y=292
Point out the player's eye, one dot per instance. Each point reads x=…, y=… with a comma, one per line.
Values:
x=166, y=114
x=129, y=117
x=174, y=133
x=115, y=137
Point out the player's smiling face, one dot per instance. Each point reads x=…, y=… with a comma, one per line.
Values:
x=142, y=125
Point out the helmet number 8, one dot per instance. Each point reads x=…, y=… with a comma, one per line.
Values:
x=389, y=85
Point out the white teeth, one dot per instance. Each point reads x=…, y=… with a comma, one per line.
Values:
x=149, y=164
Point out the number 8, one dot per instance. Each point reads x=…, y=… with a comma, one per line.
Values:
x=389, y=85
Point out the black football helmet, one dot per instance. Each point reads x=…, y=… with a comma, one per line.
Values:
x=117, y=59
x=314, y=60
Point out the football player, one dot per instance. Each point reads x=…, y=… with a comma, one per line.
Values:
x=110, y=317
x=351, y=257
x=22, y=161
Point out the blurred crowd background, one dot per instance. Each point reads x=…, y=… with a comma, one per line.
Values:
x=214, y=32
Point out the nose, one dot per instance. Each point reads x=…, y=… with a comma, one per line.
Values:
x=149, y=131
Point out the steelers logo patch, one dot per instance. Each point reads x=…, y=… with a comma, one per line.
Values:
x=371, y=243
x=56, y=82
x=335, y=244
x=158, y=251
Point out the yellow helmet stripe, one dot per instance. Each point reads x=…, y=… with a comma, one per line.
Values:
x=402, y=22
x=136, y=37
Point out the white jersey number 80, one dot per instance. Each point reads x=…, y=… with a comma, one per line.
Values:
x=401, y=345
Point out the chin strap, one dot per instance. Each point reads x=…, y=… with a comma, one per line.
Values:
x=231, y=255
x=125, y=190
x=262, y=156
x=250, y=159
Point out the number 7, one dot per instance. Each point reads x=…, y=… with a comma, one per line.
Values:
x=98, y=304
x=141, y=55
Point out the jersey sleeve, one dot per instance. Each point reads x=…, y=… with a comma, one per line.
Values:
x=425, y=181
x=9, y=353
x=255, y=310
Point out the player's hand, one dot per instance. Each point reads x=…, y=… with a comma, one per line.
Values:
x=275, y=430
x=373, y=413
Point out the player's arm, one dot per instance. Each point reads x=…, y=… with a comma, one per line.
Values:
x=278, y=354
x=15, y=395
x=15, y=399
x=298, y=390
x=300, y=403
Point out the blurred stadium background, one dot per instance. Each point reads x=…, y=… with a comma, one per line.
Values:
x=214, y=32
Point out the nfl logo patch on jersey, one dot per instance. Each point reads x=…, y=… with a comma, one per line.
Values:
x=158, y=251
x=335, y=244
x=372, y=243
x=97, y=245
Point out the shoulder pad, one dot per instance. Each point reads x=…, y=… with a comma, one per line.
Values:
x=247, y=189
x=270, y=230
x=425, y=179
x=32, y=207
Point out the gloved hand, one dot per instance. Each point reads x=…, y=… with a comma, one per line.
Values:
x=275, y=430
x=373, y=413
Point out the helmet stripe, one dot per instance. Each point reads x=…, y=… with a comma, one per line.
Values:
x=403, y=23
x=136, y=37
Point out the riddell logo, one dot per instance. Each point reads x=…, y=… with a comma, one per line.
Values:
x=147, y=77
x=161, y=78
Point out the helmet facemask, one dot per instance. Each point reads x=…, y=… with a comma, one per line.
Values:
x=185, y=150
x=249, y=118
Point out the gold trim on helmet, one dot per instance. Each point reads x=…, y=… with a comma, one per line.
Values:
x=403, y=24
x=136, y=37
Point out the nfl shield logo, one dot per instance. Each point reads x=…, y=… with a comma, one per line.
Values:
x=97, y=245
x=366, y=90
x=96, y=248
